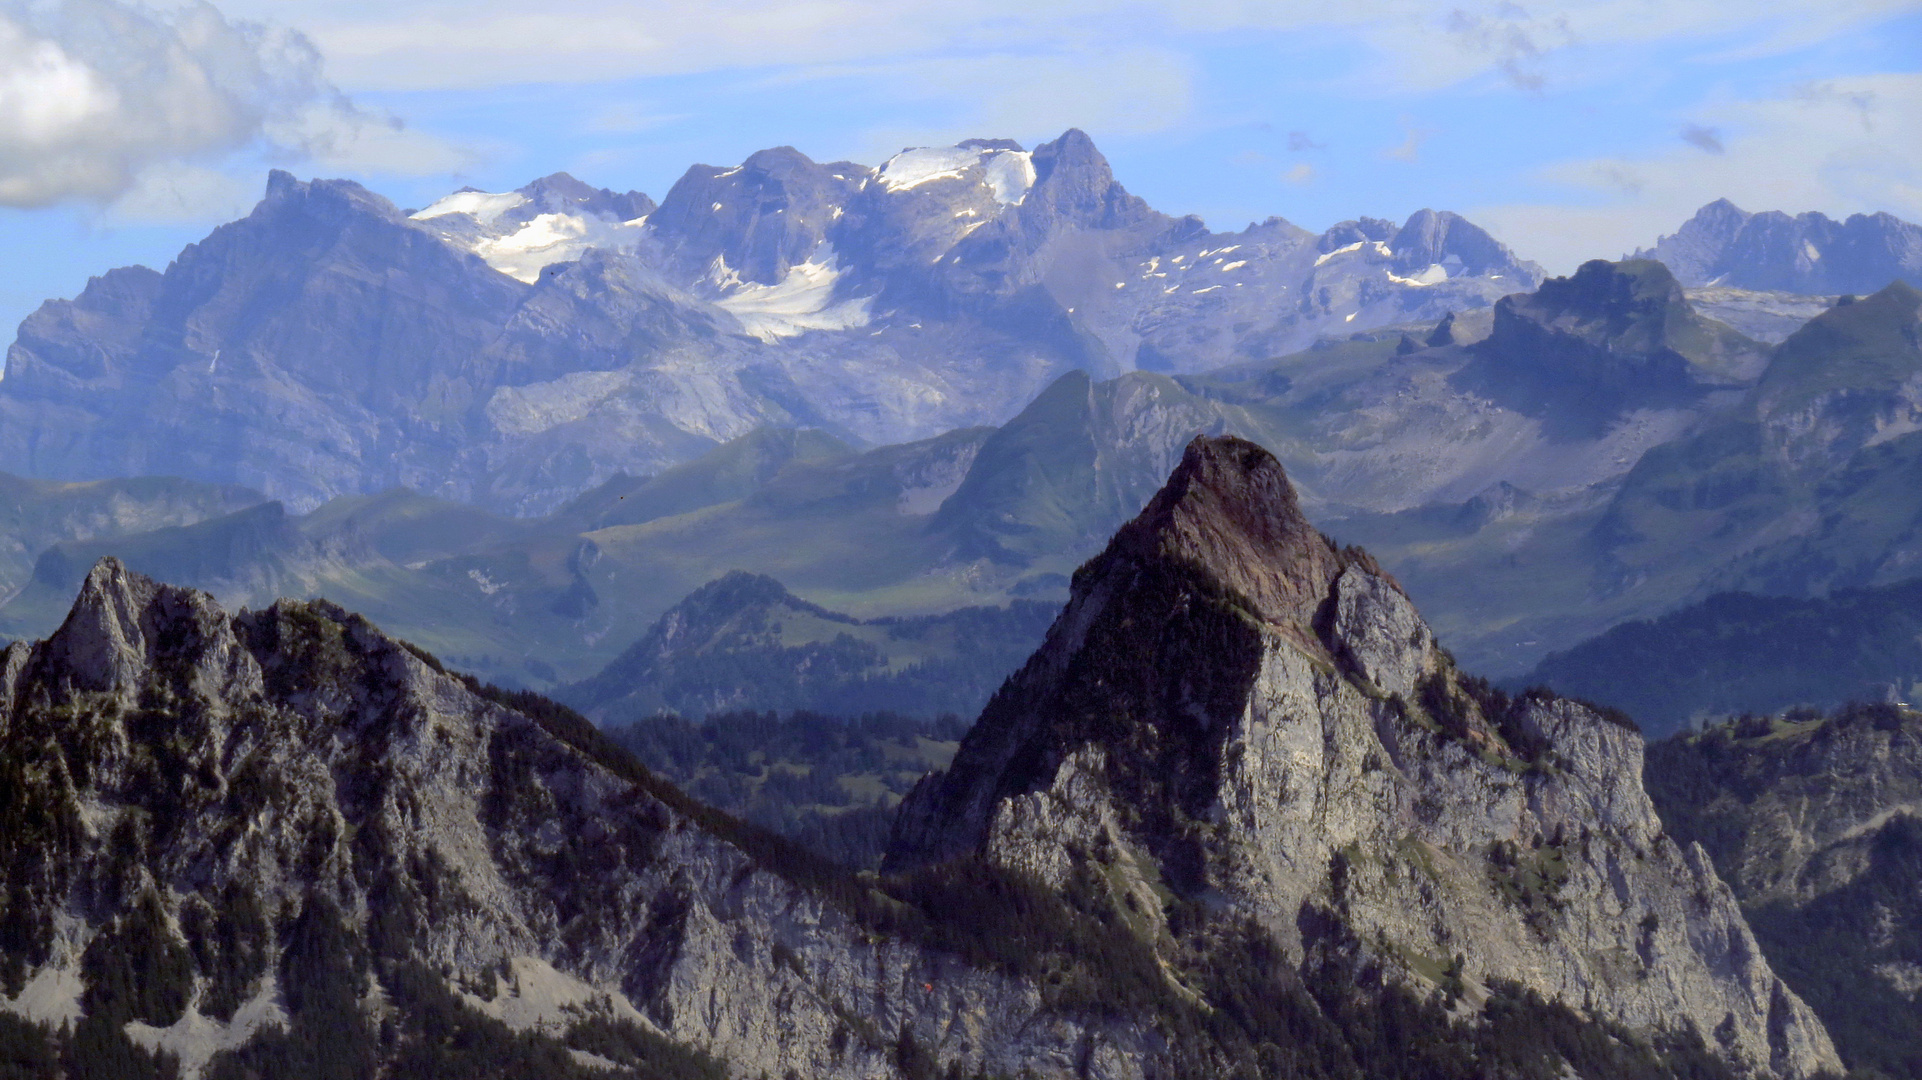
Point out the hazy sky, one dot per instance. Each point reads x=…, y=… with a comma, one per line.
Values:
x=1571, y=129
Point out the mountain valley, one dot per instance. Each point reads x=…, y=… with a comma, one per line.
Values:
x=224, y=808
x=948, y=619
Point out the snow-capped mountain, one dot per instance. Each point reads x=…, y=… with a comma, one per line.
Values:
x=788, y=246
x=554, y=219
x=515, y=348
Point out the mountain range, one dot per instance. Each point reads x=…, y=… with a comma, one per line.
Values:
x=1239, y=813
x=1554, y=394
x=514, y=350
x=520, y=426
x=1809, y=254
x=1737, y=653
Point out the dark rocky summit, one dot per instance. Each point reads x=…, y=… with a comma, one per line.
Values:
x=1609, y=339
x=1234, y=711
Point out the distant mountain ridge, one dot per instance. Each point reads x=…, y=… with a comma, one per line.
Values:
x=1524, y=416
x=515, y=349
x=1807, y=253
x=743, y=642
x=1737, y=653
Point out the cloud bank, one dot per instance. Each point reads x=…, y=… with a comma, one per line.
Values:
x=103, y=99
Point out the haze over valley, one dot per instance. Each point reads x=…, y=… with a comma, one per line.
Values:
x=934, y=595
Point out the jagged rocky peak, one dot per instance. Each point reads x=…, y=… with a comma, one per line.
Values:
x=283, y=839
x=1431, y=247
x=1229, y=512
x=1234, y=719
x=752, y=222
x=1808, y=253
x=321, y=199
x=561, y=193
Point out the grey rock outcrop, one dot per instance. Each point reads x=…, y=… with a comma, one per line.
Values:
x=1236, y=712
x=295, y=760
x=1816, y=823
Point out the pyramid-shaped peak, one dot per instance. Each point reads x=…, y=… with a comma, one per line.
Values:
x=1230, y=511
x=118, y=621
x=1721, y=208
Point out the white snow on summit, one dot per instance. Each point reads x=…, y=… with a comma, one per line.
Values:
x=801, y=301
x=1008, y=173
x=483, y=206
x=519, y=246
x=912, y=168
x=553, y=238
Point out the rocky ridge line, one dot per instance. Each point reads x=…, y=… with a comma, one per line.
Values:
x=1233, y=713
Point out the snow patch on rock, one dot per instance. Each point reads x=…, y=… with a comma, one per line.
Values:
x=1008, y=173
x=802, y=300
x=553, y=238
x=1432, y=274
x=483, y=206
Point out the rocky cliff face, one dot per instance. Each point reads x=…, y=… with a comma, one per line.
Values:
x=1608, y=340
x=1816, y=823
x=1239, y=814
x=283, y=801
x=1234, y=714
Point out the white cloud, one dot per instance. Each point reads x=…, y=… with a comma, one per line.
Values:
x=353, y=140
x=1409, y=149
x=176, y=192
x=113, y=102
x=1842, y=146
x=468, y=44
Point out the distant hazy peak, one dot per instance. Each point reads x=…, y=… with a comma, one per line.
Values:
x=1808, y=253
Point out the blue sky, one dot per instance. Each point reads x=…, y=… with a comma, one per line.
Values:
x=1571, y=129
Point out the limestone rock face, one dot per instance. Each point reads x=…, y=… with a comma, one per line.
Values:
x=157, y=749
x=1234, y=713
x=1816, y=822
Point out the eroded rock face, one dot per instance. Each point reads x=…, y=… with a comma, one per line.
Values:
x=1816, y=823
x=1234, y=712
x=295, y=760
